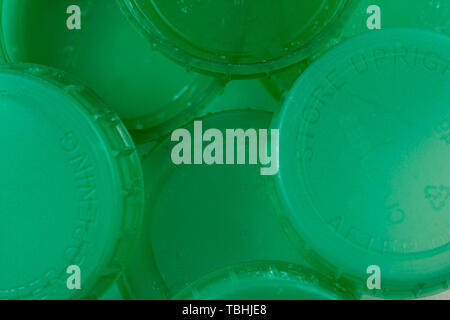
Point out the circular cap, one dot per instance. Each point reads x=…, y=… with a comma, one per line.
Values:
x=109, y=55
x=200, y=218
x=239, y=38
x=364, y=160
x=264, y=280
x=71, y=192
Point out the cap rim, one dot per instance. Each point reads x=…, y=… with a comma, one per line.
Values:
x=303, y=279
x=230, y=70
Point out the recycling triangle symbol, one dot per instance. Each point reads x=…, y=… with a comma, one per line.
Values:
x=437, y=196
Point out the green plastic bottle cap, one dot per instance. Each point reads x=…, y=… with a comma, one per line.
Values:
x=109, y=55
x=71, y=193
x=433, y=15
x=364, y=161
x=200, y=218
x=238, y=38
x=264, y=280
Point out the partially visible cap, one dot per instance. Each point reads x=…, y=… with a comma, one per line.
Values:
x=109, y=55
x=238, y=38
x=264, y=280
x=71, y=195
x=433, y=15
x=364, y=162
x=203, y=217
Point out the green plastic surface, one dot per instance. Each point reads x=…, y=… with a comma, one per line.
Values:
x=238, y=38
x=70, y=190
x=200, y=218
x=433, y=15
x=246, y=94
x=113, y=294
x=364, y=161
x=249, y=94
x=264, y=280
x=109, y=55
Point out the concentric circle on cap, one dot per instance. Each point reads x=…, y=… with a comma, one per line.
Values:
x=71, y=193
x=364, y=161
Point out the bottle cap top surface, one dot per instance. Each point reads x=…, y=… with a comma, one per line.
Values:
x=364, y=160
x=200, y=217
x=71, y=191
